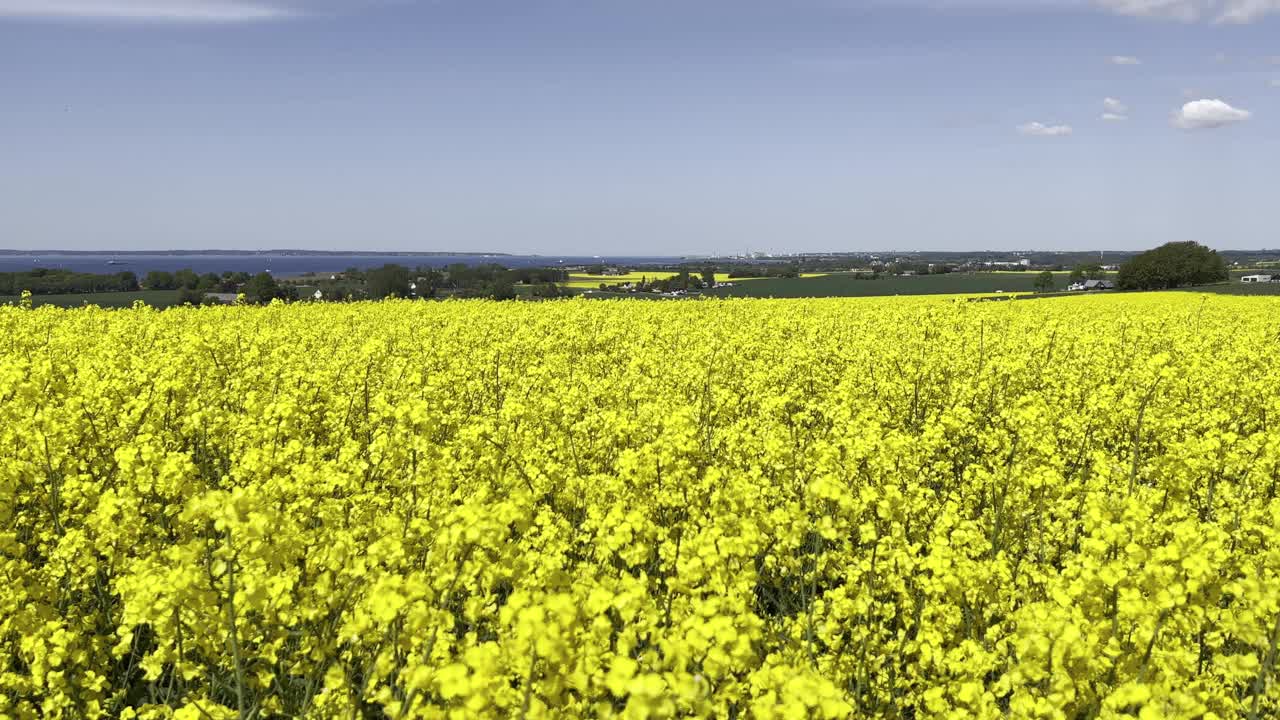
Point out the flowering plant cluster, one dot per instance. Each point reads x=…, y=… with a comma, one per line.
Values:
x=888, y=508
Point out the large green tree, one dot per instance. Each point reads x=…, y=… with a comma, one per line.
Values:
x=1044, y=282
x=1172, y=265
x=186, y=279
x=159, y=280
x=388, y=281
x=262, y=289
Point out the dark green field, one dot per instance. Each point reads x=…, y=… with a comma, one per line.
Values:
x=849, y=285
x=1235, y=287
x=154, y=298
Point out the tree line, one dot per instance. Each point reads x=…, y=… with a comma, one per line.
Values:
x=1173, y=265
x=458, y=280
x=44, y=281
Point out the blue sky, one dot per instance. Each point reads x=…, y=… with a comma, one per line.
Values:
x=638, y=126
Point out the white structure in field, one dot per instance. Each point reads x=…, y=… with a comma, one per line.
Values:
x=1092, y=285
x=1258, y=278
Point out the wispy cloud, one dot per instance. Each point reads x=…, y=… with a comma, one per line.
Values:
x=1035, y=129
x=170, y=11
x=1124, y=60
x=1208, y=114
x=1114, y=110
x=1189, y=11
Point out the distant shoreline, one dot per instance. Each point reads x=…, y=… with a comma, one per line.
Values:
x=299, y=253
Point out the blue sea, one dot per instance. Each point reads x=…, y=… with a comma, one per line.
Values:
x=285, y=264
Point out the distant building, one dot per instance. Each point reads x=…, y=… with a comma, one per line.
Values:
x=224, y=298
x=1091, y=285
x=318, y=295
x=1258, y=278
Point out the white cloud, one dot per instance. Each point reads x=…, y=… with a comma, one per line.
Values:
x=1189, y=11
x=175, y=11
x=1036, y=129
x=1246, y=11
x=1124, y=60
x=1114, y=110
x=1205, y=114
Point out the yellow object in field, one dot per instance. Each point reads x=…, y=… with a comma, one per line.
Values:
x=879, y=508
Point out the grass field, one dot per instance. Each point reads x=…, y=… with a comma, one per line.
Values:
x=849, y=285
x=154, y=298
x=1235, y=287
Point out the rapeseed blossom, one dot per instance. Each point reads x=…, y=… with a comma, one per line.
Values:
x=878, y=508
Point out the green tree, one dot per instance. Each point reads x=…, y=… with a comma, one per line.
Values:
x=388, y=281
x=503, y=290
x=262, y=289
x=709, y=276
x=186, y=279
x=159, y=280
x=194, y=297
x=1044, y=282
x=1173, y=265
x=547, y=290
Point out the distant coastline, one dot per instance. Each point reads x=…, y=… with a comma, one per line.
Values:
x=279, y=252
x=284, y=263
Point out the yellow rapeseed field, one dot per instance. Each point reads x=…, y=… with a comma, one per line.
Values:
x=880, y=508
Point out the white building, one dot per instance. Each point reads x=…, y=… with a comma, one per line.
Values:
x=1091, y=285
x=1258, y=278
